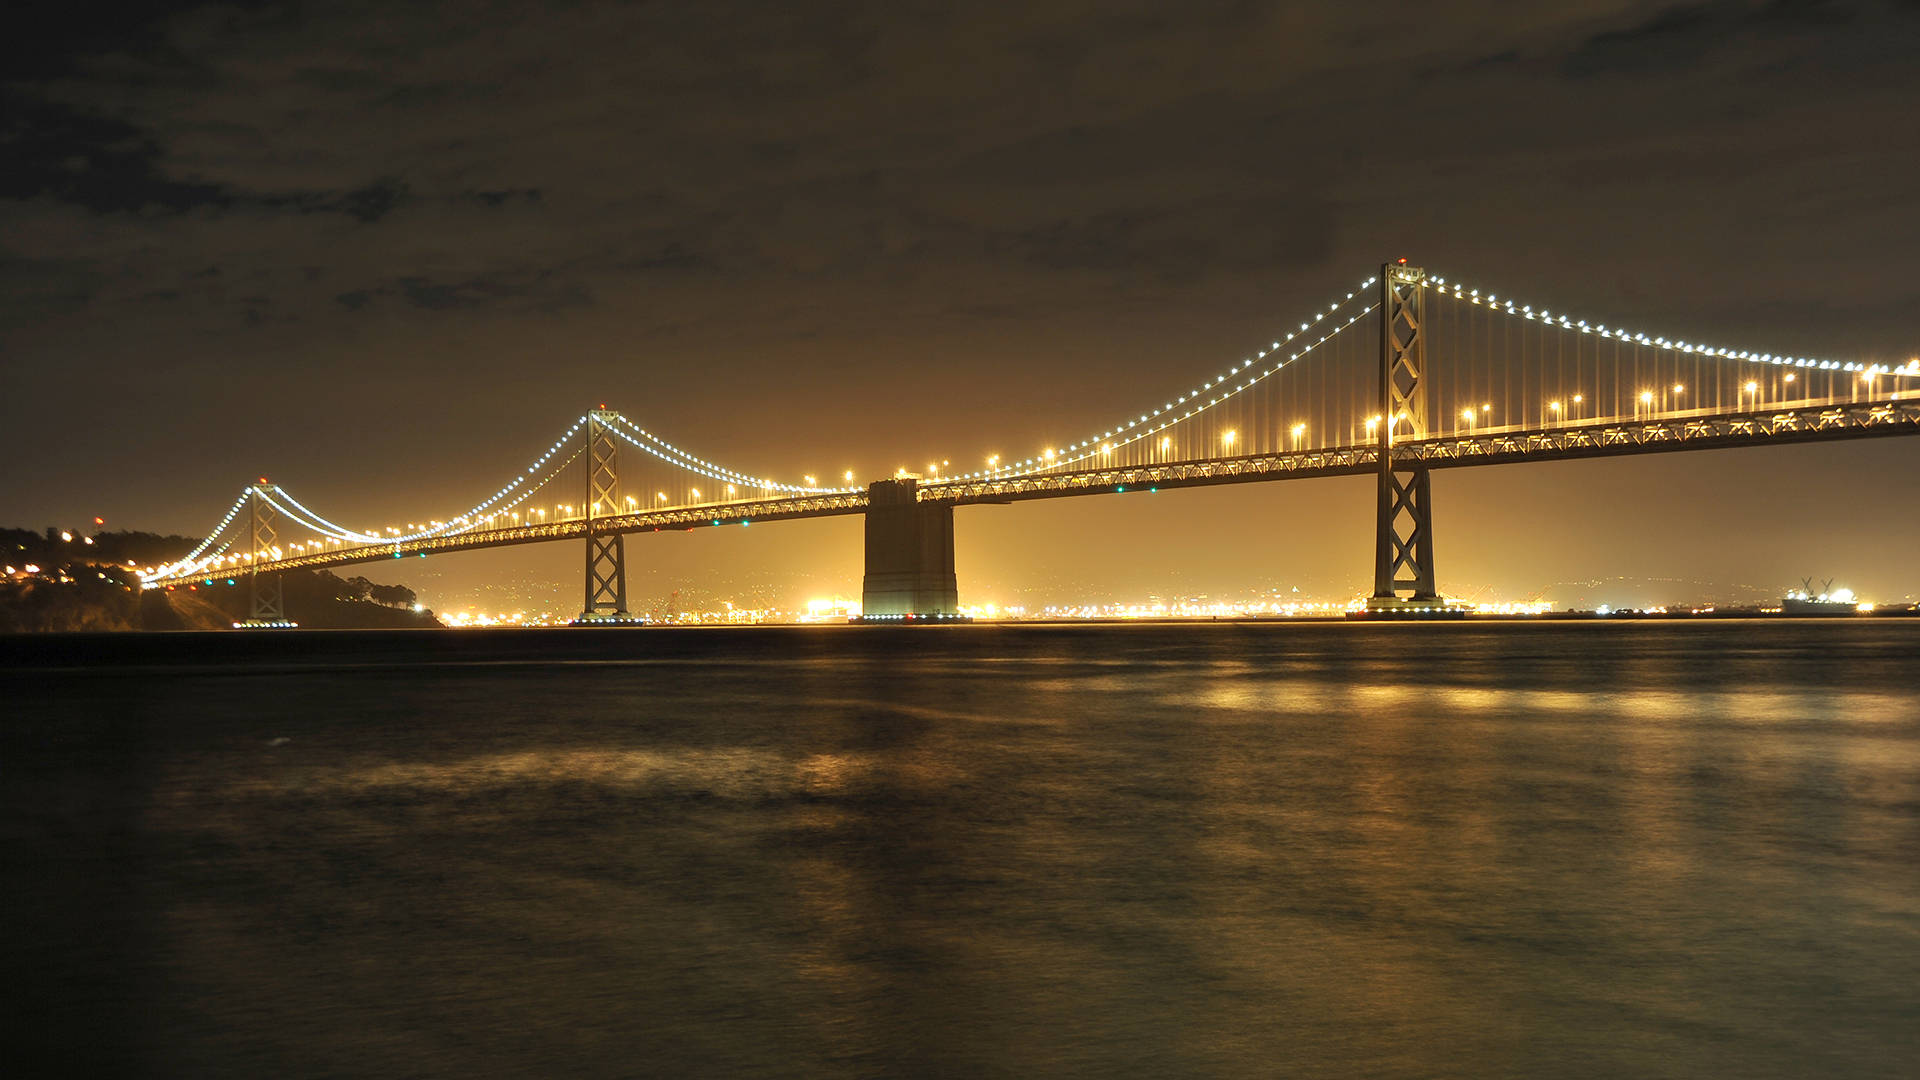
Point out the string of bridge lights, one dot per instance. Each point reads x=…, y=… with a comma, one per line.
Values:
x=305, y=517
x=459, y=522
x=463, y=524
x=1492, y=302
x=188, y=559
x=1144, y=425
x=682, y=459
x=320, y=524
x=478, y=515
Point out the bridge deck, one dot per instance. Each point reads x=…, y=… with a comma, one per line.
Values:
x=1896, y=415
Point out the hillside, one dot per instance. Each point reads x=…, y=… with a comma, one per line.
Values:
x=56, y=581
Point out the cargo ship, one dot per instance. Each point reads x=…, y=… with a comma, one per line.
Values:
x=1829, y=601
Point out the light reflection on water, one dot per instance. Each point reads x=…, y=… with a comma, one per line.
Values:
x=1333, y=850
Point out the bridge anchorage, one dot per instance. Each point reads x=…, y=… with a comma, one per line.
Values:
x=909, y=566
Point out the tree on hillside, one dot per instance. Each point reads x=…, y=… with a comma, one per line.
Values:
x=392, y=595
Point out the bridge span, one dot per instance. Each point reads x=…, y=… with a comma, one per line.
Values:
x=1398, y=379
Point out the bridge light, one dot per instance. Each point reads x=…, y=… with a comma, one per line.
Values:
x=1679, y=389
x=1578, y=398
x=1166, y=441
x=848, y=475
x=695, y=491
x=1646, y=397
x=1228, y=439
x=1553, y=405
x=1049, y=453
x=1752, y=387
x=662, y=495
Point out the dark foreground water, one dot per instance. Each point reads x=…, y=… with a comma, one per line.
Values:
x=1640, y=850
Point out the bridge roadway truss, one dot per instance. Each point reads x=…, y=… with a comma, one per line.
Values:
x=1897, y=415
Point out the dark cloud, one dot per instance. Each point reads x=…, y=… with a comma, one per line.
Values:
x=527, y=291
x=1680, y=36
x=54, y=151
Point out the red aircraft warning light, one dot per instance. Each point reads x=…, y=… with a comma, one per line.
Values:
x=1403, y=261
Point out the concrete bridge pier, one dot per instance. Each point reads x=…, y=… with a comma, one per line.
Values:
x=909, y=555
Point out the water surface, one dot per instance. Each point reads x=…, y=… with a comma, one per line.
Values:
x=1234, y=850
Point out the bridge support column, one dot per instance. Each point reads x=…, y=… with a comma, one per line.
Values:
x=606, y=568
x=909, y=555
x=1403, y=576
x=265, y=607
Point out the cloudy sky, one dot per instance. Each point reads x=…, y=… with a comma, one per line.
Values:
x=384, y=251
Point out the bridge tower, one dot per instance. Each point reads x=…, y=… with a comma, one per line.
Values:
x=1403, y=578
x=266, y=608
x=606, y=553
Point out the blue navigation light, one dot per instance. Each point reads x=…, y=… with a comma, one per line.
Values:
x=230, y=581
x=1121, y=488
x=744, y=523
x=1153, y=491
x=716, y=521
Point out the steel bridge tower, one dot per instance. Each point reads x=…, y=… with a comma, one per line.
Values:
x=1403, y=540
x=266, y=607
x=606, y=575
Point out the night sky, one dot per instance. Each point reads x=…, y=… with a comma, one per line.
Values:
x=383, y=252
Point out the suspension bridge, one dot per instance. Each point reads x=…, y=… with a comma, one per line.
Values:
x=1407, y=373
